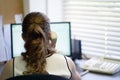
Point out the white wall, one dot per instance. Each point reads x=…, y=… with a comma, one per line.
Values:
x=55, y=10
x=26, y=6
x=34, y=5
x=38, y=5
x=52, y=8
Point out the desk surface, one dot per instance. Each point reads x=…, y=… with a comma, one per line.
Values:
x=95, y=76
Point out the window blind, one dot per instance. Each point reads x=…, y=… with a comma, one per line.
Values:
x=97, y=24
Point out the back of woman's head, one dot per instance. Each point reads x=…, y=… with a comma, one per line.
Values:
x=35, y=31
x=36, y=18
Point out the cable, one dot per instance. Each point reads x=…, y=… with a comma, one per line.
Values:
x=84, y=73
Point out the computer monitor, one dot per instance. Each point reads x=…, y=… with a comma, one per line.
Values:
x=63, y=30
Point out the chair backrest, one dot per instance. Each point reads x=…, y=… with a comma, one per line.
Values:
x=37, y=77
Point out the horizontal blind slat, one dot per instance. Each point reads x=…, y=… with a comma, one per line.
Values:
x=96, y=23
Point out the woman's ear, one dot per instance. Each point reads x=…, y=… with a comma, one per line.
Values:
x=53, y=37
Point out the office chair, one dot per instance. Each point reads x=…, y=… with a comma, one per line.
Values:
x=37, y=77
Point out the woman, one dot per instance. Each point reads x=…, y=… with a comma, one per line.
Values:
x=40, y=56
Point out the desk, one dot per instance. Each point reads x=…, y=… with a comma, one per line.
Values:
x=95, y=76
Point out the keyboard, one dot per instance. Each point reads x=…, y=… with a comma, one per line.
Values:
x=102, y=65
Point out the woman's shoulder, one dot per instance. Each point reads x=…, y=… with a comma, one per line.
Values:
x=18, y=58
x=7, y=70
x=61, y=67
x=19, y=61
x=57, y=55
x=60, y=58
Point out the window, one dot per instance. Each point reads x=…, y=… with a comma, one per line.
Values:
x=97, y=24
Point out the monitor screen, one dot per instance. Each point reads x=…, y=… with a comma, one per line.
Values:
x=62, y=30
